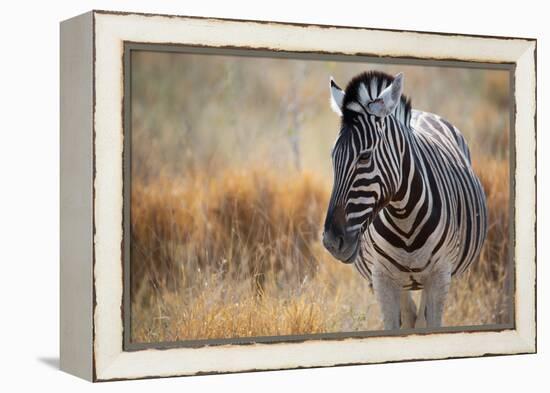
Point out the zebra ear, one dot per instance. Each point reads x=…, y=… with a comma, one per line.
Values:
x=388, y=98
x=336, y=97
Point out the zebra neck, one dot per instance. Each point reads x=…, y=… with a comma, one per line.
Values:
x=413, y=189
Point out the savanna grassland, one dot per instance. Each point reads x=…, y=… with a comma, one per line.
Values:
x=230, y=181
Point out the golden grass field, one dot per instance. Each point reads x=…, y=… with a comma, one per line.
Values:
x=226, y=246
x=256, y=267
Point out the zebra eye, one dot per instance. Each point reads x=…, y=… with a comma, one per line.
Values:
x=364, y=157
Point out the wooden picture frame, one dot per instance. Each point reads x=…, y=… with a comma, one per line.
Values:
x=94, y=65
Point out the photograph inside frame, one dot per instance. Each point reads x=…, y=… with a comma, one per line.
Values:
x=290, y=197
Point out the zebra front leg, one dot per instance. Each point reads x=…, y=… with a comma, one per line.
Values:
x=421, y=317
x=433, y=298
x=408, y=310
x=388, y=295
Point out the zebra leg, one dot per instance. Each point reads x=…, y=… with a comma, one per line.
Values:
x=388, y=295
x=408, y=310
x=436, y=290
x=421, y=318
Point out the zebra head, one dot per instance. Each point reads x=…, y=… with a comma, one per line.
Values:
x=365, y=158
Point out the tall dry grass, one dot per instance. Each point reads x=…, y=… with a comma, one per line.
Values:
x=238, y=255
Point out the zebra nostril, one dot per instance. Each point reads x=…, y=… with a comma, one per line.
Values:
x=333, y=242
x=340, y=244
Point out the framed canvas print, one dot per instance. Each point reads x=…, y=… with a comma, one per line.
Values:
x=245, y=195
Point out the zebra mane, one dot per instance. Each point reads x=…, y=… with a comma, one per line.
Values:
x=374, y=82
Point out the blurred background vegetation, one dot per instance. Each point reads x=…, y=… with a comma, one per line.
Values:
x=231, y=175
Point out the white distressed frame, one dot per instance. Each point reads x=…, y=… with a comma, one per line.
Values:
x=111, y=30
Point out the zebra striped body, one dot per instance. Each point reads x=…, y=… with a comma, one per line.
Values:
x=406, y=208
x=439, y=220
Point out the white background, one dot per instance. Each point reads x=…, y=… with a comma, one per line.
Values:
x=29, y=196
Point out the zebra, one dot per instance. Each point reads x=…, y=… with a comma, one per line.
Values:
x=406, y=207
